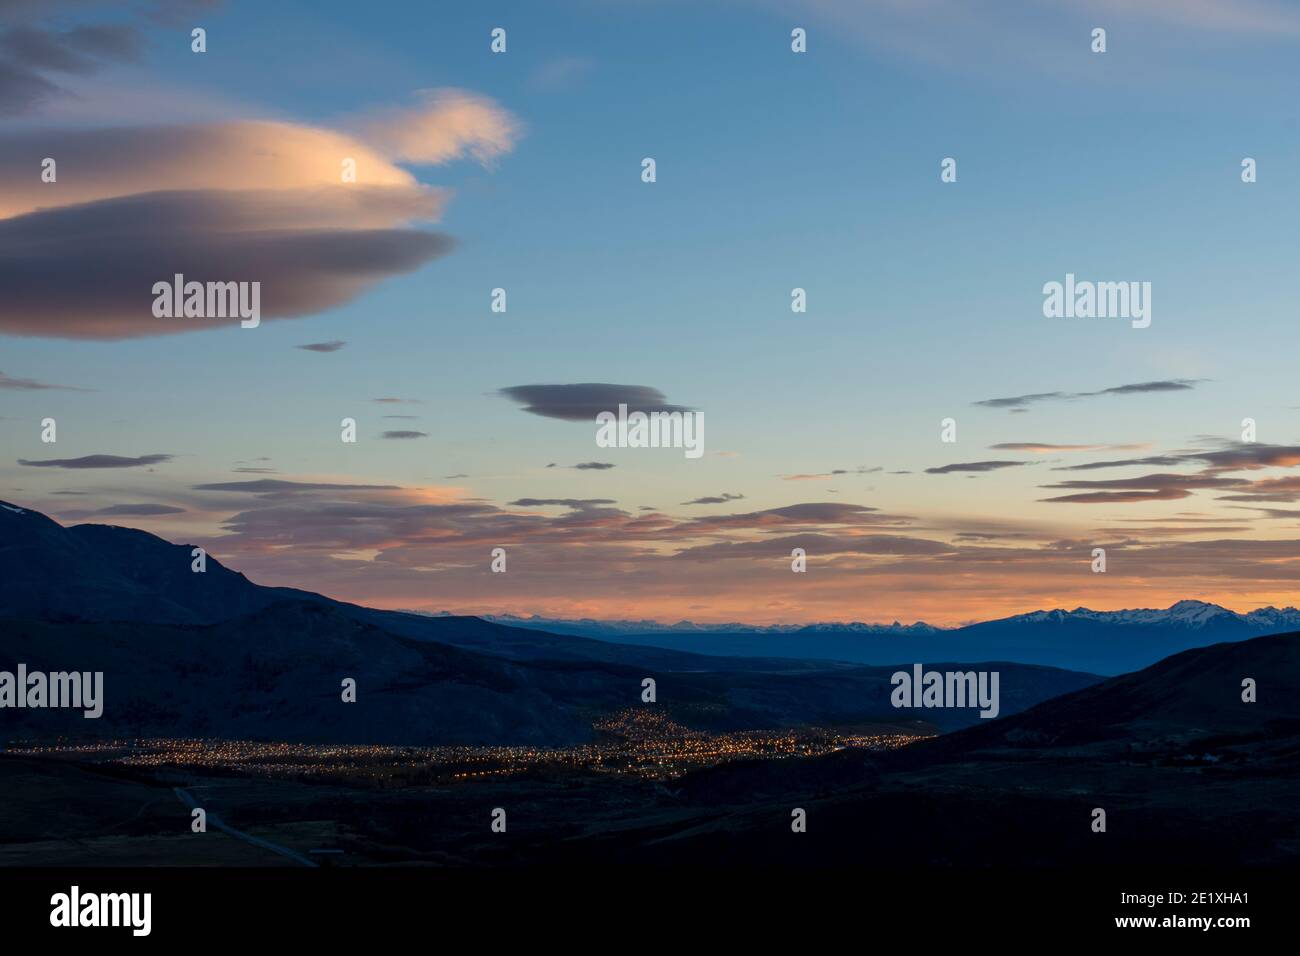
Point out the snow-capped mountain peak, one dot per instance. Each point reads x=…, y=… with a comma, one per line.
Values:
x=1186, y=613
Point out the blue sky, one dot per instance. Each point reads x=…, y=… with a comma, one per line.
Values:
x=775, y=170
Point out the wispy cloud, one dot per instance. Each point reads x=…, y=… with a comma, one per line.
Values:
x=1232, y=456
x=974, y=466
x=561, y=73
x=447, y=124
x=1034, y=38
x=1155, y=487
x=715, y=499
x=1020, y=402
x=266, y=486
x=1047, y=448
x=576, y=504
x=97, y=461
x=125, y=511
x=834, y=473
x=33, y=59
x=401, y=435
x=29, y=384
x=379, y=544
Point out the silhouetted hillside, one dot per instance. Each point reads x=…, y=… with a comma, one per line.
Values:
x=105, y=573
x=276, y=674
x=224, y=657
x=1186, y=771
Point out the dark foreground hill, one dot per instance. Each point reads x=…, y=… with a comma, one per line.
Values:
x=213, y=654
x=1185, y=770
x=104, y=573
x=107, y=573
x=1187, y=773
x=276, y=674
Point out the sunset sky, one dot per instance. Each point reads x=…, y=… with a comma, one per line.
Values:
x=775, y=170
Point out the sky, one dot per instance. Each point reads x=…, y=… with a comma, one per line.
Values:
x=774, y=170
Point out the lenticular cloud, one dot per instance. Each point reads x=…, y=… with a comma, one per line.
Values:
x=314, y=215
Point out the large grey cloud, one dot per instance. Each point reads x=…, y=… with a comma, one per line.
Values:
x=260, y=201
x=87, y=271
x=582, y=402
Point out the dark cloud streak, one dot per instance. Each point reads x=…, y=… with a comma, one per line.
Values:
x=584, y=401
x=97, y=461
x=1019, y=402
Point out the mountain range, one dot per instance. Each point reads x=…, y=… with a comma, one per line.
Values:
x=1186, y=769
x=1100, y=642
x=213, y=654
x=102, y=572
x=1190, y=614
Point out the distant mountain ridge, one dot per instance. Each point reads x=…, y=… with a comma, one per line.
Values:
x=1115, y=642
x=1097, y=642
x=1186, y=613
x=593, y=627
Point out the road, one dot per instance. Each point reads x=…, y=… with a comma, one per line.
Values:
x=187, y=798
